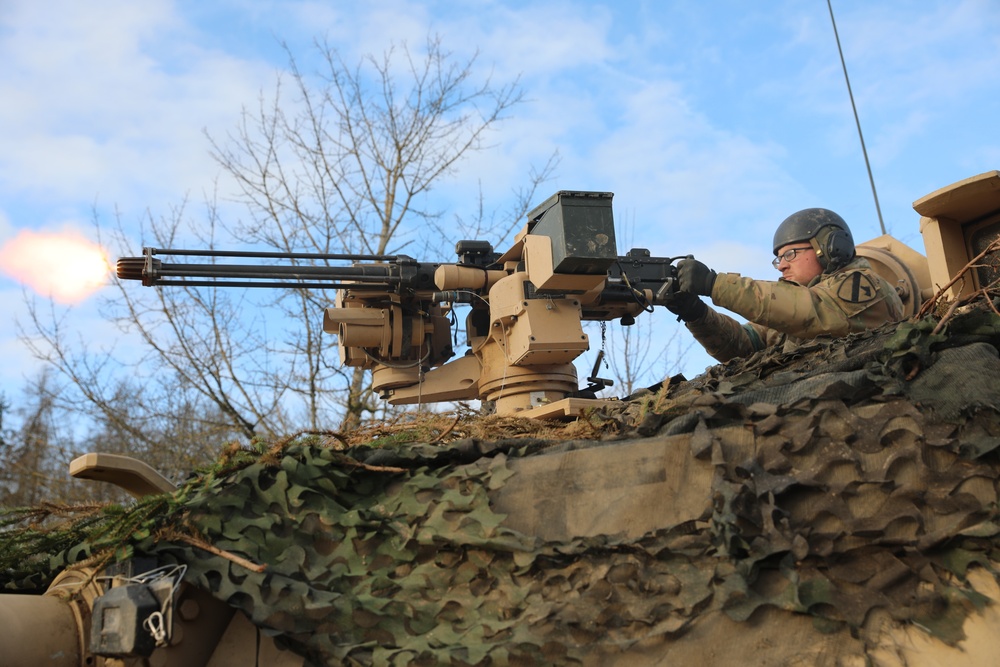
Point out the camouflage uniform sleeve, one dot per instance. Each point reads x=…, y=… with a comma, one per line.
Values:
x=853, y=299
x=724, y=338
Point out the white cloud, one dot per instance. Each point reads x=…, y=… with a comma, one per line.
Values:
x=686, y=177
x=110, y=102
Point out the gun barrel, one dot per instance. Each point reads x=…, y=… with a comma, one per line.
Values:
x=387, y=272
x=275, y=254
x=248, y=272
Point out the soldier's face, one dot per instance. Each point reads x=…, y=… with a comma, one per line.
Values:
x=803, y=267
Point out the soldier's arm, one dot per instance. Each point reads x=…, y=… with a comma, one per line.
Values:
x=835, y=307
x=723, y=337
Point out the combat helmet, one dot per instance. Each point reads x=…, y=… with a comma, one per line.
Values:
x=825, y=231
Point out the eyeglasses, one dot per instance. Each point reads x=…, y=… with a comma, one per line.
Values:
x=788, y=255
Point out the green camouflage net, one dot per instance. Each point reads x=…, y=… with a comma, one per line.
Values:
x=856, y=477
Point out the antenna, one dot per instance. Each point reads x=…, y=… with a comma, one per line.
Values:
x=850, y=94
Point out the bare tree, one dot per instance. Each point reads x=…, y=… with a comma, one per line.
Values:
x=53, y=430
x=347, y=168
x=35, y=456
x=198, y=347
x=343, y=165
x=26, y=469
x=641, y=355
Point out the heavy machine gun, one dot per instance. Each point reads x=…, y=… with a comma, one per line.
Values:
x=393, y=314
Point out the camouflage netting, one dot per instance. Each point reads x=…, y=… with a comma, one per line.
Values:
x=853, y=479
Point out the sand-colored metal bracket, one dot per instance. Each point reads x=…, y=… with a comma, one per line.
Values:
x=125, y=472
x=566, y=407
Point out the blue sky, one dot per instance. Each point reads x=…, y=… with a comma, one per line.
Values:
x=710, y=121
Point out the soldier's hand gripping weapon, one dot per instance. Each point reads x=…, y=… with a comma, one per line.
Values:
x=391, y=313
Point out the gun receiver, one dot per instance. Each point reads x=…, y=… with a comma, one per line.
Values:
x=392, y=314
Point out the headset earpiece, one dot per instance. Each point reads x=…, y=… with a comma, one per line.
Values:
x=838, y=248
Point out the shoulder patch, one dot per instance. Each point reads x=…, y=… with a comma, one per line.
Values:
x=857, y=287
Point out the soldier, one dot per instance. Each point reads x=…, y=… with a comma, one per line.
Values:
x=824, y=289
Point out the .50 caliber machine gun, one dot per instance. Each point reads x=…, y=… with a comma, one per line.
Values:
x=392, y=313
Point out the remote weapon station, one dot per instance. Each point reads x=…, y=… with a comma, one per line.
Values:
x=393, y=314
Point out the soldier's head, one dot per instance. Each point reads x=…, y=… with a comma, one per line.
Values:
x=821, y=242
